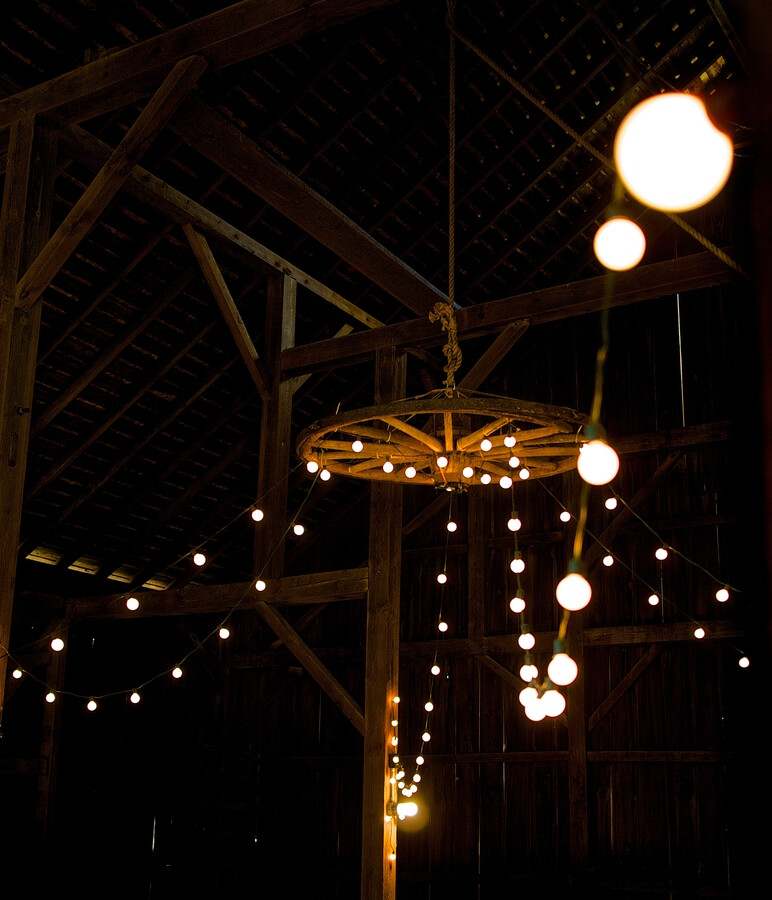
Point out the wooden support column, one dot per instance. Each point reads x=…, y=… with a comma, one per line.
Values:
x=382, y=654
x=275, y=428
x=24, y=227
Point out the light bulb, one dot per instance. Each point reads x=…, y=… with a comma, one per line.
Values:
x=669, y=154
x=312, y=466
x=395, y=759
x=485, y=445
x=619, y=244
x=722, y=595
x=419, y=760
x=554, y=703
x=535, y=711
x=50, y=697
x=132, y=603
x=17, y=673
x=565, y=516
x=224, y=633
x=199, y=558
x=598, y=463
x=298, y=528
x=91, y=705
x=611, y=503
x=442, y=462
x=176, y=672
x=528, y=695
x=394, y=741
x=395, y=722
x=573, y=592
x=505, y=482
x=525, y=672
x=442, y=578
x=405, y=810
x=517, y=565
x=57, y=644
x=608, y=560
x=260, y=585
x=524, y=473
x=388, y=467
x=517, y=604
x=485, y=478
x=653, y=600
x=135, y=698
x=435, y=669
x=562, y=669
x=357, y=446
x=395, y=699
x=257, y=514
x=392, y=856
x=426, y=737
x=428, y=706
x=452, y=526
x=699, y=633
x=416, y=778
x=743, y=662
x=442, y=626
x=325, y=474
x=467, y=471
x=514, y=462
x=510, y=440
x=410, y=472
x=526, y=641
x=514, y=524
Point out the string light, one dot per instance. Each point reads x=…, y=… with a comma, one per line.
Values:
x=135, y=697
x=722, y=595
x=57, y=644
x=442, y=578
x=565, y=516
x=611, y=503
x=485, y=445
x=50, y=697
x=435, y=669
x=257, y=514
x=357, y=446
x=505, y=482
x=411, y=472
x=661, y=553
x=486, y=478
x=312, y=466
x=653, y=599
x=608, y=560
x=260, y=585
x=91, y=705
x=325, y=475
x=17, y=673
x=132, y=603
x=452, y=526
x=699, y=633
x=524, y=473
x=298, y=529
x=743, y=662
x=176, y=672
x=199, y=558
x=224, y=633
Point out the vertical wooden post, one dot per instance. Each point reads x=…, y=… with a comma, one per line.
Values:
x=24, y=227
x=275, y=427
x=382, y=654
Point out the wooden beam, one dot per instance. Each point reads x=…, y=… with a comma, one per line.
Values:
x=227, y=305
x=621, y=688
x=493, y=355
x=226, y=146
x=238, y=32
x=318, y=671
x=687, y=273
x=108, y=180
x=296, y=590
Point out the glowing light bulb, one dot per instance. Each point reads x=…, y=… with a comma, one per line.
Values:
x=91, y=705
x=722, y=595
x=57, y=644
x=528, y=695
x=395, y=699
x=410, y=472
x=743, y=662
x=526, y=641
x=394, y=741
x=417, y=777
x=260, y=585
x=407, y=809
x=562, y=670
x=653, y=600
x=435, y=669
x=357, y=446
x=257, y=515
x=312, y=466
x=442, y=578
x=17, y=673
x=517, y=565
x=699, y=633
x=611, y=503
x=467, y=471
x=132, y=603
x=199, y=558
x=299, y=529
x=428, y=706
x=608, y=560
x=670, y=155
x=485, y=478
x=517, y=604
x=395, y=722
x=388, y=467
x=452, y=526
x=524, y=473
x=395, y=759
x=426, y=737
x=598, y=463
x=50, y=697
x=554, y=703
x=535, y=711
x=510, y=440
x=224, y=633
x=176, y=672
x=514, y=524
x=392, y=856
x=505, y=482
x=442, y=462
x=565, y=516
x=485, y=445
x=135, y=697
x=514, y=462
x=573, y=592
x=419, y=760
x=442, y=626
x=528, y=672
x=619, y=244
x=325, y=475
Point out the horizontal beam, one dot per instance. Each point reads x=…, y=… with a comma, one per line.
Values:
x=687, y=273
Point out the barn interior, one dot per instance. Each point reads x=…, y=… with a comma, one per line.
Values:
x=225, y=224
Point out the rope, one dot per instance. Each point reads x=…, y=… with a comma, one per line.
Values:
x=444, y=312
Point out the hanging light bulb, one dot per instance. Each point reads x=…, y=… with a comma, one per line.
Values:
x=417, y=777
x=485, y=445
x=528, y=695
x=442, y=462
x=257, y=514
x=50, y=697
x=743, y=662
x=573, y=592
x=514, y=524
x=176, y=672
x=224, y=633
x=653, y=600
x=722, y=595
x=526, y=641
x=661, y=553
x=17, y=673
x=485, y=478
x=535, y=711
x=388, y=467
x=699, y=633
x=598, y=463
x=510, y=440
x=619, y=244
x=135, y=697
x=517, y=604
x=442, y=578
x=505, y=482
x=132, y=603
x=562, y=669
x=452, y=526
x=565, y=516
x=608, y=560
x=426, y=737
x=554, y=703
x=57, y=644
x=514, y=462
x=312, y=466
x=611, y=503
x=407, y=809
x=442, y=626
x=91, y=705
x=260, y=585
x=428, y=706
x=298, y=529
x=325, y=475
x=419, y=760
x=468, y=471
x=524, y=473
x=669, y=154
x=518, y=563
x=199, y=558
x=528, y=672
x=410, y=472
x=435, y=670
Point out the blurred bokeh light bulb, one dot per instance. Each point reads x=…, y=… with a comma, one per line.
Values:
x=670, y=155
x=562, y=670
x=573, y=592
x=598, y=462
x=619, y=244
